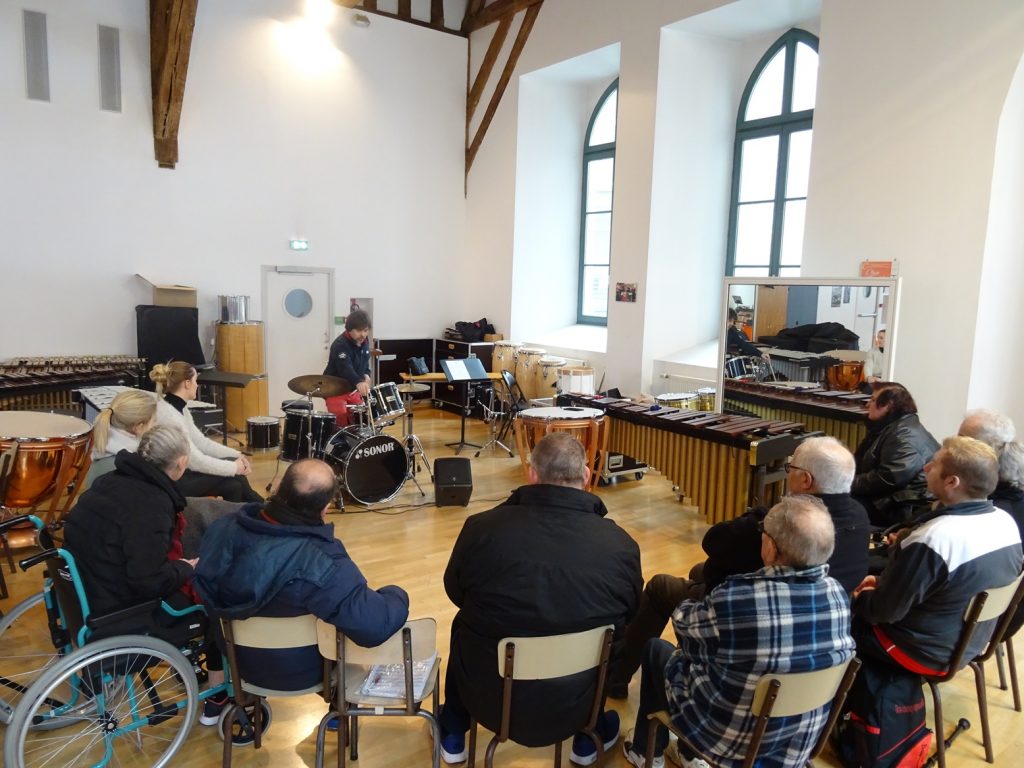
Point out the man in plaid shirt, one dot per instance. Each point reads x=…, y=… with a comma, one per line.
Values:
x=789, y=616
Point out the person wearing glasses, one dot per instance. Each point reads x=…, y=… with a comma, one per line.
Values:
x=821, y=466
x=787, y=616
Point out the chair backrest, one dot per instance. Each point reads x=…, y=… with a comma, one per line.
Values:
x=1002, y=603
x=798, y=692
x=518, y=400
x=984, y=606
x=250, y=640
x=423, y=639
x=543, y=658
x=272, y=633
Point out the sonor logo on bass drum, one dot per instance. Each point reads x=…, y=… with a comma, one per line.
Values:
x=375, y=450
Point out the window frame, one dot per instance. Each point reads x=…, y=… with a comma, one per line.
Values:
x=783, y=125
x=591, y=154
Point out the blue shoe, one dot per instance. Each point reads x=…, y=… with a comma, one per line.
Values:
x=332, y=724
x=583, y=750
x=453, y=748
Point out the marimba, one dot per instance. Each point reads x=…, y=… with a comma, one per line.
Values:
x=723, y=463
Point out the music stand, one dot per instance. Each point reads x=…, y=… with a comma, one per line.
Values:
x=468, y=370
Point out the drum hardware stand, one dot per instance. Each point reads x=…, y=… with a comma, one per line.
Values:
x=413, y=446
x=492, y=417
x=462, y=427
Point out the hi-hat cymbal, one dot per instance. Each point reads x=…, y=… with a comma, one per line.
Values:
x=412, y=387
x=320, y=384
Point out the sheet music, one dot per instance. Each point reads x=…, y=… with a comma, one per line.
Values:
x=457, y=370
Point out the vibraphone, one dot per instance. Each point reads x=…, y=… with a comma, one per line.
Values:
x=46, y=383
x=723, y=463
x=843, y=415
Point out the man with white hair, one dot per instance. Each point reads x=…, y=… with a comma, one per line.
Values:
x=789, y=616
x=821, y=466
x=997, y=431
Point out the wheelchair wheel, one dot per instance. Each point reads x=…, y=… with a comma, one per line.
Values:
x=241, y=723
x=26, y=649
x=131, y=700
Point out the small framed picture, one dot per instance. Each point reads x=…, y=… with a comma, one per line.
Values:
x=625, y=292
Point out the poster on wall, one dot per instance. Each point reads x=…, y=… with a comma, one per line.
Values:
x=625, y=292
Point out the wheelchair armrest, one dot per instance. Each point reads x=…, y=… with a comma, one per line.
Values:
x=17, y=522
x=98, y=621
x=171, y=611
x=34, y=560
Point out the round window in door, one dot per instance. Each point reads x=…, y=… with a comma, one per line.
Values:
x=298, y=302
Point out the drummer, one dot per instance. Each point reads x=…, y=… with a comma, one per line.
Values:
x=350, y=360
x=736, y=341
x=213, y=469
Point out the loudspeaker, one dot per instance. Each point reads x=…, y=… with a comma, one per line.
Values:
x=453, y=481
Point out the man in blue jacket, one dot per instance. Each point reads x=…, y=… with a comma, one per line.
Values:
x=281, y=559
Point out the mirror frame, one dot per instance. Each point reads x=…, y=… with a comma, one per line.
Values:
x=892, y=283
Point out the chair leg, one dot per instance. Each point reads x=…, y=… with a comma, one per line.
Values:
x=940, y=728
x=1000, y=667
x=489, y=754
x=7, y=554
x=1012, y=663
x=353, y=748
x=435, y=736
x=979, y=683
x=257, y=724
x=558, y=755
x=472, y=742
x=343, y=736
x=228, y=740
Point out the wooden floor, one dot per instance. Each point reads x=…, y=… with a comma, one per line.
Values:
x=408, y=542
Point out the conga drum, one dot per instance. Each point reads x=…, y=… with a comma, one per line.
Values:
x=545, y=376
x=527, y=360
x=504, y=356
x=588, y=425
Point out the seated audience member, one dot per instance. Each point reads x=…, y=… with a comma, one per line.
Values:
x=546, y=562
x=280, y=558
x=910, y=616
x=213, y=469
x=120, y=425
x=997, y=431
x=125, y=534
x=788, y=616
x=890, y=480
x=821, y=466
x=874, y=362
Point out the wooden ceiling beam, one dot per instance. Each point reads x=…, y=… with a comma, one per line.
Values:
x=532, y=9
x=487, y=66
x=437, y=13
x=495, y=11
x=171, y=23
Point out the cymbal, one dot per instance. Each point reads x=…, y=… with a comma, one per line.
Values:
x=320, y=384
x=412, y=387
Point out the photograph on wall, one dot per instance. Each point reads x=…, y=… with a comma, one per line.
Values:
x=837, y=296
x=625, y=292
x=846, y=294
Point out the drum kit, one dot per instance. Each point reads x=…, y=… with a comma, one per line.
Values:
x=372, y=466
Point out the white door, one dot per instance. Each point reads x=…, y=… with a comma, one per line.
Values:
x=298, y=318
x=867, y=310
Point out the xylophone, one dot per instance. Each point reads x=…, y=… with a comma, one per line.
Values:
x=723, y=463
x=47, y=383
x=843, y=415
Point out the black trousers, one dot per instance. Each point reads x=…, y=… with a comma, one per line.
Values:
x=235, y=488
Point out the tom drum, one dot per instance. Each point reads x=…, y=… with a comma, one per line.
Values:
x=299, y=426
x=385, y=402
x=262, y=433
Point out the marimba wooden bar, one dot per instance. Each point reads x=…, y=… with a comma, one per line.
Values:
x=722, y=463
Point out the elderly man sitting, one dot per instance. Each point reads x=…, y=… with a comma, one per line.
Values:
x=788, y=616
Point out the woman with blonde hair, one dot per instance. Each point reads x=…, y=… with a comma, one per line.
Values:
x=213, y=469
x=120, y=425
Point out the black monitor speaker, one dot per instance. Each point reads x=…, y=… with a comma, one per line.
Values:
x=453, y=481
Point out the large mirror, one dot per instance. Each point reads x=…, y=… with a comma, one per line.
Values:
x=807, y=334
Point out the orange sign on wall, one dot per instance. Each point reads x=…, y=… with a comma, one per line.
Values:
x=876, y=269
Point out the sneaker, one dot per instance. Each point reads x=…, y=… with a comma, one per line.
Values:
x=636, y=759
x=212, y=709
x=676, y=758
x=583, y=750
x=453, y=748
x=332, y=724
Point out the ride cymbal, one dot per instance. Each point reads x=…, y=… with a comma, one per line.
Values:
x=321, y=385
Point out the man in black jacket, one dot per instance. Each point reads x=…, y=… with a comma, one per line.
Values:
x=350, y=360
x=821, y=466
x=546, y=562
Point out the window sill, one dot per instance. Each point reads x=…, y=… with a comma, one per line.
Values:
x=587, y=338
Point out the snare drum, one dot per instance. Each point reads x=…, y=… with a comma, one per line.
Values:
x=263, y=433
x=681, y=400
x=49, y=450
x=385, y=402
x=706, y=399
x=372, y=468
x=588, y=425
x=845, y=375
x=503, y=358
x=576, y=378
x=545, y=377
x=296, y=424
x=527, y=361
x=745, y=368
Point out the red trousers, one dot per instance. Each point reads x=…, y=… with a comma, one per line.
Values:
x=339, y=404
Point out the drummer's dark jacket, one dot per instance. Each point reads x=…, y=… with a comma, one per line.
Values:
x=349, y=360
x=545, y=562
x=252, y=566
x=734, y=546
x=120, y=533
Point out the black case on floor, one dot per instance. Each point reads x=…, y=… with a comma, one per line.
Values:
x=453, y=481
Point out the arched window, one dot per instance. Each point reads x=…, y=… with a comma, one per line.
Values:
x=596, y=210
x=771, y=160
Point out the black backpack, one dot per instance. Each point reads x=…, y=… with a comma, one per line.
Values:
x=884, y=721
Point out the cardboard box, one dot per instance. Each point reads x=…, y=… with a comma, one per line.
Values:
x=494, y=337
x=171, y=295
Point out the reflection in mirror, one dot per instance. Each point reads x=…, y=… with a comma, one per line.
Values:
x=808, y=335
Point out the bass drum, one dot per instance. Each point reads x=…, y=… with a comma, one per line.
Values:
x=372, y=468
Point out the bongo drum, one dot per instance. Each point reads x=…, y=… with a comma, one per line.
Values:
x=588, y=425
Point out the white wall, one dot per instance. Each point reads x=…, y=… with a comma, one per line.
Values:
x=337, y=134
x=909, y=99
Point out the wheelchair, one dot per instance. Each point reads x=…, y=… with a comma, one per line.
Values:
x=97, y=696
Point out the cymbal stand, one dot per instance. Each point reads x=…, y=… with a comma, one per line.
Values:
x=413, y=447
x=493, y=417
